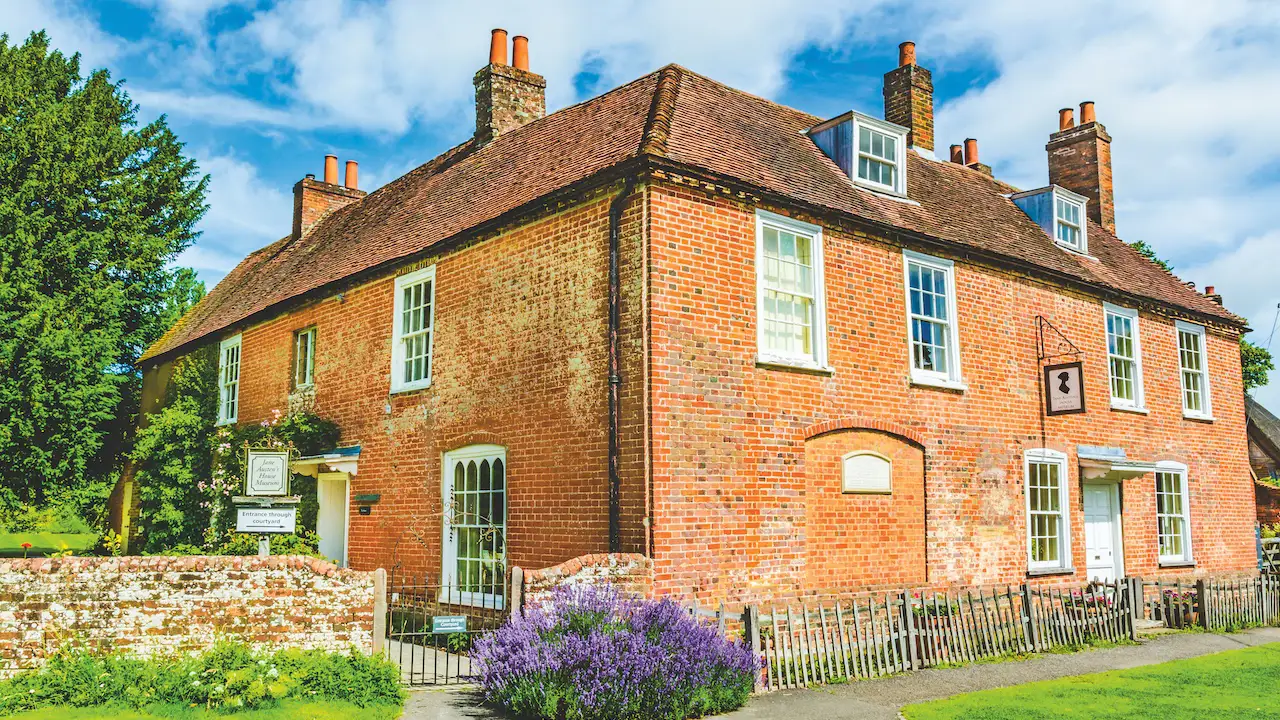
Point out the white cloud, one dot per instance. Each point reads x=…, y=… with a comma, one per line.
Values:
x=220, y=109
x=188, y=16
x=381, y=67
x=245, y=213
x=70, y=29
x=1246, y=276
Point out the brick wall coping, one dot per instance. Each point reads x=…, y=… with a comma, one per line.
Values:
x=883, y=426
x=575, y=565
x=171, y=563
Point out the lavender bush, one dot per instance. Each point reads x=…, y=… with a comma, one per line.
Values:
x=593, y=654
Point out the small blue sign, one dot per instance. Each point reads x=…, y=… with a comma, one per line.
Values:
x=445, y=624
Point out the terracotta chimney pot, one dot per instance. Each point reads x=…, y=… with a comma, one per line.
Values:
x=1086, y=112
x=1066, y=119
x=353, y=175
x=906, y=54
x=1208, y=290
x=520, y=52
x=957, y=154
x=331, y=169
x=498, y=47
x=970, y=151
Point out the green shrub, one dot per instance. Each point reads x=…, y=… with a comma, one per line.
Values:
x=229, y=677
x=300, y=543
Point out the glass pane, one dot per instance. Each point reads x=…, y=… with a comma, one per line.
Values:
x=499, y=469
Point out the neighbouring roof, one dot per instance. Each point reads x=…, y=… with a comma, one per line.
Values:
x=1264, y=427
x=683, y=118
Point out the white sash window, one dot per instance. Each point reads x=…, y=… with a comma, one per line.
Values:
x=229, y=381
x=475, y=526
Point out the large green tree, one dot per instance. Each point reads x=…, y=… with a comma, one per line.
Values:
x=94, y=207
x=1255, y=360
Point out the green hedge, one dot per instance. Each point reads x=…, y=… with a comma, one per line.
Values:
x=229, y=677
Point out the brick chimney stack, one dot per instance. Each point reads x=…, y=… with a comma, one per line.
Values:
x=507, y=96
x=908, y=98
x=1080, y=161
x=314, y=199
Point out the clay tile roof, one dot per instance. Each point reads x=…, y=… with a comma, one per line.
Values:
x=1264, y=427
x=683, y=118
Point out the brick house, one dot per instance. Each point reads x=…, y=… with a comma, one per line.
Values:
x=773, y=353
x=1264, y=456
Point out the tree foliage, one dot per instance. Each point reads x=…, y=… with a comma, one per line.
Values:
x=93, y=209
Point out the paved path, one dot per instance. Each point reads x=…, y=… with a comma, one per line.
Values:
x=875, y=699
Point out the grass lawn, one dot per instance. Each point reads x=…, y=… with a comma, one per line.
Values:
x=44, y=543
x=1239, y=684
x=287, y=710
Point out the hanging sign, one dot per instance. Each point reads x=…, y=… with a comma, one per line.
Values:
x=266, y=520
x=266, y=474
x=1064, y=389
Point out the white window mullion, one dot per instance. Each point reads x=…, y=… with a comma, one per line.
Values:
x=1173, y=513
x=790, y=309
x=1048, y=510
x=229, y=381
x=1193, y=371
x=1124, y=358
x=413, y=330
x=475, y=524
x=932, y=330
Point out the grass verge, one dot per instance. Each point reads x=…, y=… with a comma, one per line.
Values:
x=1239, y=684
x=287, y=710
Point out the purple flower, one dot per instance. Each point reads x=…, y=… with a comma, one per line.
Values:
x=594, y=654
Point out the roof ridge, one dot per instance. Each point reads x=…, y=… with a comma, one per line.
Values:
x=657, y=126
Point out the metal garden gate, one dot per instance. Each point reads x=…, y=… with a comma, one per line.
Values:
x=431, y=627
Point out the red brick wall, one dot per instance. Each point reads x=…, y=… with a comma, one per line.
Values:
x=863, y=540
x=520, y=360
x=733, y=500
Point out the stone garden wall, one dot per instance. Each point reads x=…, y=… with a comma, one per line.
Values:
x=630, y=573
x=151, y=605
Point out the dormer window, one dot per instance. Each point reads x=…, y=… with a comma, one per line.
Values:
x=871, y=152
x=1059, y=212
x=1069, y=227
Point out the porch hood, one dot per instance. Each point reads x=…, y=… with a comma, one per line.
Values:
x=1110, y=463
x=344, y=459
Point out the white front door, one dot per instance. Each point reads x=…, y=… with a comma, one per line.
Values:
x=331, y=518
x=1103, y=550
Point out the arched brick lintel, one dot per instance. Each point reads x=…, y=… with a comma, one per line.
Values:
x=883, y=426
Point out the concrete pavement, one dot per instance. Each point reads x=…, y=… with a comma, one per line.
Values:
x=881, y=698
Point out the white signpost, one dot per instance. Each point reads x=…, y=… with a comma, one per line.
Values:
x=266, y=520
x=266, y=506
x=267, y=474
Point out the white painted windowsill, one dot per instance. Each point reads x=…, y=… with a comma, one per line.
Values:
x=774, y=362
x=396, y=389
x=935, y=382
x=1130, y=409
x=1197, y=416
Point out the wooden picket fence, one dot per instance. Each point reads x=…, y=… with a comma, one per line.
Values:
x=1269, y=555
x=1213, y=604
x=872, y=634
x=1239, y=603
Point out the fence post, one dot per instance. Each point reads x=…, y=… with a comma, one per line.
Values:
x=751, y=629
x=1029, y=620
x=1202, y=599
x=517, y=591
x=909, y=632
x=379, y=610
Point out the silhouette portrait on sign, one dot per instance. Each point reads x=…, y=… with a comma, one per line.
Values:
x=1064, y=387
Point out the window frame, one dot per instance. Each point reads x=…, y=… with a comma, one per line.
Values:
x=398, y=383
x=1138, y=403
x=1206, y=399
x=1045, y=456
x=235, y=341
x=817, y=360
x=1080, y=203
x=899, y=134
x=1168, y=467
x=309, y=332
x=954, y=377
x=449, y=592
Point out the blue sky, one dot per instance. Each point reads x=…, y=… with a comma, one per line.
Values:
x=260, y=91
